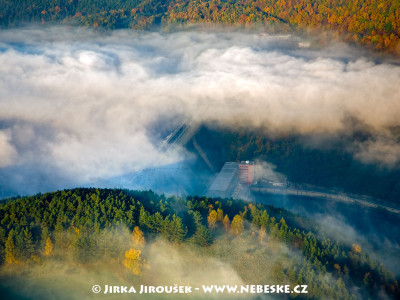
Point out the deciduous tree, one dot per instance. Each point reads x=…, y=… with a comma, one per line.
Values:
x=227, y=223
x=237, y=225
x=10, y=251
x=212, y=218
x=133, y=261
x=137, y=237
x=48, y=249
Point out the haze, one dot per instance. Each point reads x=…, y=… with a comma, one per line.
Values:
x=78, y=105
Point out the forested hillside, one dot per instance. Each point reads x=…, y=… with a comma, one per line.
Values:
x=375, y=24
x=85, y=225
x=331, y=166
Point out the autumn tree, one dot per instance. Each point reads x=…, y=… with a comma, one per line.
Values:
x=10, y=251
x=133, y=261
x=227, y=223
x=237, y=225
x=220, y=215
x=356, y=248
x=212, y=218
x=44, y=236
x=137, y=237
x=48, y=249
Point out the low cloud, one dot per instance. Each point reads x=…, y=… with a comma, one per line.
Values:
x=82, y=105
x=7, y=150
x=382, y=151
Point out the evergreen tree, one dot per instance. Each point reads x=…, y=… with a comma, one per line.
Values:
x=20, y=245
x=29, y=245
x=143, y=218
x=174, y=229
x=264, y=219
x=202, y=236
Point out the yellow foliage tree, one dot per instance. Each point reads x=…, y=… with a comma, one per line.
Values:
x=227, y=223
x=10, y=251
x=133, y=261
x=212, y=218
x=137, y=237
x=337, y=268
x=48, y=248
x=237, y=225
x=356, y=248
x=220, y=215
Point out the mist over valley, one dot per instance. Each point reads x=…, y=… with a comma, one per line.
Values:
x=116, y=111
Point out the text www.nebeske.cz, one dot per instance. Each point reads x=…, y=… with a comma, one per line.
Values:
x=208, y=289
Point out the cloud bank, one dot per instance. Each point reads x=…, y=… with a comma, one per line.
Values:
x=77, y=105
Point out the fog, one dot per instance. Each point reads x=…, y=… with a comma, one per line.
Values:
x=375, y=230
x=78, y=106
x=167, y=264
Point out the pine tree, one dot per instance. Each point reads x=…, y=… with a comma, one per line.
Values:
x=202, y=236
x=3, y=237
x=20, y=246
x=143, y=218
x=255, y=215
x=158, y=224
x=29, y=246
x=176, y=230
x=59, y=235
x=197, y=218
x=264, y=218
